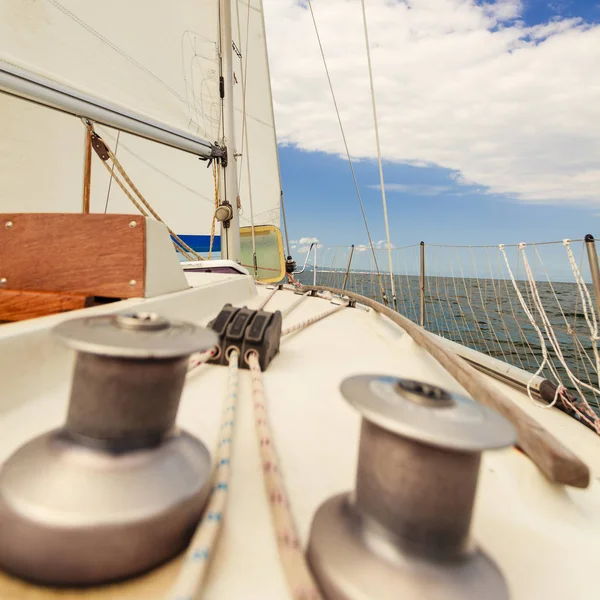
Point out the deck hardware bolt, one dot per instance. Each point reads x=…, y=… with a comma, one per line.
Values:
x=405, y=528
x=141, y=483
x=8, y=224
x=132, y=282
x=3, y=281
x=132, y=224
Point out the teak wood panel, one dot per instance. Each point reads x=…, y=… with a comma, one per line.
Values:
x=18, y=305
x=91, y=254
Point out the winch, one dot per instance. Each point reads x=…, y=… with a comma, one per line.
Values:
x=118, y=489
x=404, y=531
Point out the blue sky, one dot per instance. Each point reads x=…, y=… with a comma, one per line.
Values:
x=539, y=174
x=324, y=205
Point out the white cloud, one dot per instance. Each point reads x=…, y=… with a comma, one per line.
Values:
x=415, y=189
x=308, y=240
x=379, y=245
x=304, y=243
x=460, y=84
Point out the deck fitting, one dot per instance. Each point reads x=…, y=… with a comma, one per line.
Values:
x=405, y=528
x=118, y=489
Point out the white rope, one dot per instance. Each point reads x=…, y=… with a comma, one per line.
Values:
x=543, y=348
x=381, y=181
x=262, y=305
x=587, y=304
x=286, y=311
x=561, y=390
x=576, y=382
x=311, y=320
x=200, y=552
x=295, y=568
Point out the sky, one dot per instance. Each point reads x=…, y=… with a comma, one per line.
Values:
x=489, y=117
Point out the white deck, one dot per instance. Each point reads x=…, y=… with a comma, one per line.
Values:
x=545, y=538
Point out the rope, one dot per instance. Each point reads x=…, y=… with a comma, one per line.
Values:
x=199, y=554
x=297, y=573
x=553, y=459
x=312, y=320
x=111, y=173
x=381, y=181
x=138, y=205
x=107, y=134
x=199, y=359
x=350, y=163
x=192, y=253
x=545, y=356
x=201, y=549
x=561, y=391
x=586, y=302
x=147, y=204
x=214, y=219
x=266, y=300
x=87, y=174
x=285, y=229
x=286, y=311
x=293, y=281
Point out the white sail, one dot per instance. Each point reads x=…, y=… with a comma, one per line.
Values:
x=258, y=168
x=157, y=59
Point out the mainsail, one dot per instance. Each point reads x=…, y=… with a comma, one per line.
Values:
x=159, y=60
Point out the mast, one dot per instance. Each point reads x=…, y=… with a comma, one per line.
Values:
x=230, y=234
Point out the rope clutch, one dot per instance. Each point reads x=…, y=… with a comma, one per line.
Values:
x=246, y=330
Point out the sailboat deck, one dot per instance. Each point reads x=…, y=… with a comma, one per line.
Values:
x=519, y=516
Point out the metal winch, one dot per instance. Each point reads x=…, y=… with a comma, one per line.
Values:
x=404, y=530
x=118, y=489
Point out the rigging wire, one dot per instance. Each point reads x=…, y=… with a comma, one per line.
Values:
x=337, y=112
x=383, y=198
x=287, y=237
x=106, y=134
x=112, y=172
x=245, y=151
x=142, y=205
